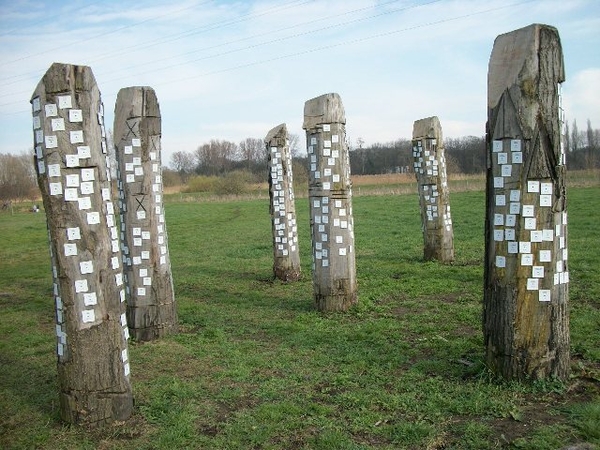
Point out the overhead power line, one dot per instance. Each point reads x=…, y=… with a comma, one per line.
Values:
x=106, y=33
x=325, y=47
x=348, y=42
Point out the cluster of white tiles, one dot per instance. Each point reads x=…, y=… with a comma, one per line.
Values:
x=427, y=163
x=74, y=182
x=332, y=226
x=425, y=157
x=284, y=222
x=520, y=223
x=137, y=229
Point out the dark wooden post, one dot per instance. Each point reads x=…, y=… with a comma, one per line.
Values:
x=151, y=308
x=525, y=320
x=286, y=265
x=89, y=292
x=432, y=183
x=330, y=197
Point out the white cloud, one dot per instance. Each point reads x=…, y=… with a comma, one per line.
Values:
x=581, y=97
x=231, y=70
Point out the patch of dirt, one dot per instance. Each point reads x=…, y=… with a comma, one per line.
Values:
x=508, y=429
x=133, y=428
x=213, y=425
x=544, y=409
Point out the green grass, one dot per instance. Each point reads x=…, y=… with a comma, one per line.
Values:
x=255, y=366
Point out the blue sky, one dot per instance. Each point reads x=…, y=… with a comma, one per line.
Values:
x=235, y=69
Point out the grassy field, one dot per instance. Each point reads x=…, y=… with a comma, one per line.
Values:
x=256, y=367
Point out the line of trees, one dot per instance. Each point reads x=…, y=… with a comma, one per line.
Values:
x=463, y=155
x=220, y=157
x=582, y=147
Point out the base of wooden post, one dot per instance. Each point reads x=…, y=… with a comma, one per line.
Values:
x=95, y=409
x=287, y=275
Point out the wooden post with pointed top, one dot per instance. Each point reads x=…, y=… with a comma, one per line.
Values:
x=286, y=254
x=525, y=315
x=330, y=197
x=432, y=183
x=151, y=308
x=74, y=179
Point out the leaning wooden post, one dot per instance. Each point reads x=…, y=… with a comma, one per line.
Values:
x=286, y=265
x=151, y=308
x=74, y=178
x=330, y=197
x=525, y=320
x=432, y=183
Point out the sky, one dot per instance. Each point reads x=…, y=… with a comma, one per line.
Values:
x=236, y=69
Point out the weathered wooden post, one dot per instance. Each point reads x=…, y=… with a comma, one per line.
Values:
x=286, y=265
x=71, y=163
x=432, y=183
x=330, y=197
x=151, y=308
x=525, y=320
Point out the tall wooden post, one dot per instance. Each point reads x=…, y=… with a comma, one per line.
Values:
x=74, y=178
x=432, y=183
x=151, y=308
x=286, y=264
x=330, y=197
x=525, y=320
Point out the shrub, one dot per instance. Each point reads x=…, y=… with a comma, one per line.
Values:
x=201, y=183
x=234, y=183
x=171, y=178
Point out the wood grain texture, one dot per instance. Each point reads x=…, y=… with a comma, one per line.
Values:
x=432, y=184
x=70, y=157
x=151, y=306
x=525, y=320
x=286, y=252
x=330, y=197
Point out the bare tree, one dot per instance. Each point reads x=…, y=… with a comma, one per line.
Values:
x=294, y=143
x=215, y=157
x=591, y=142
x=252, y=150
x=575, y=137
x=183, y=164
x=17, y=177
x=567, y=138
x=591, y=146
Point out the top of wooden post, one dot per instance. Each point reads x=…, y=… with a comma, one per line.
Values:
x=140, y=101
x=66, y=78
x=429, y=127
x=327, y=108
x=515, y=59
x=279, y=130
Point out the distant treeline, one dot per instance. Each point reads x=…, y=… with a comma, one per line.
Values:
x=219, y=158
x=463, y=155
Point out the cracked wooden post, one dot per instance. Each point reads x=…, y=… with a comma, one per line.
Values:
x=330, y=197
x=525, y=320
x=151, y=308
x=432, y=183
x=286, y=263
x=89, y=293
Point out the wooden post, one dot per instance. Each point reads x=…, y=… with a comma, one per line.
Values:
x=525, y=315
x=151, y=308
x=330, y=197
x=74, y=179
x=432, y=183
x=286, y=265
